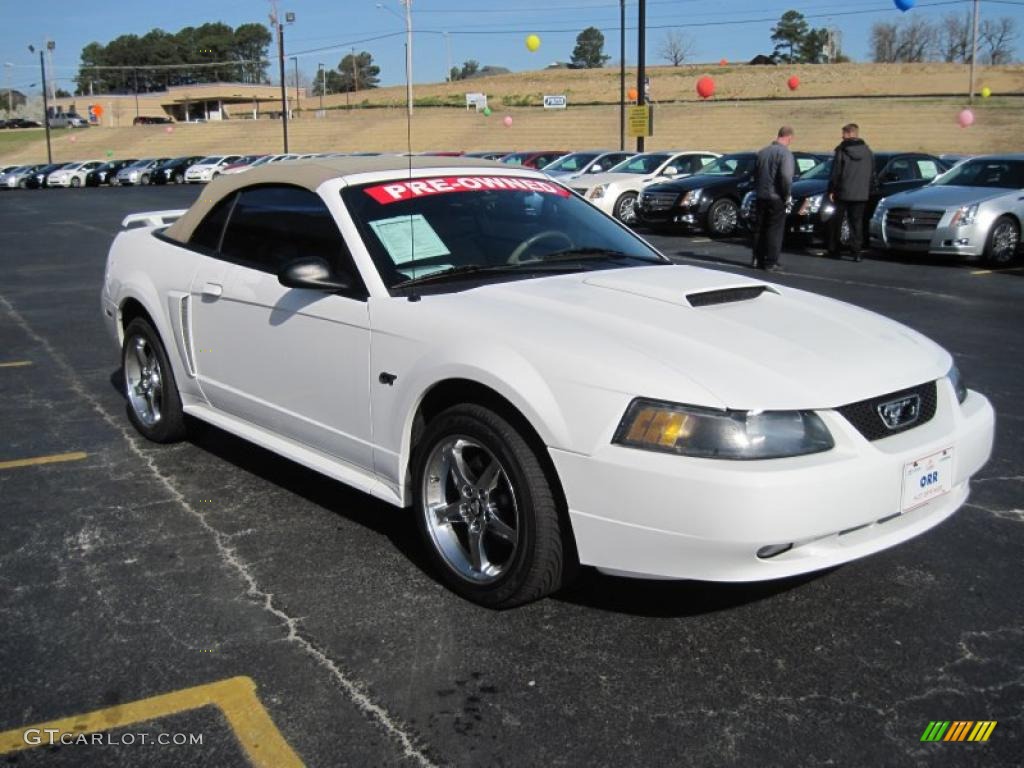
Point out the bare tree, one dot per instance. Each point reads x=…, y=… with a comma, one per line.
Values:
x=916, y=39
x=884, y=42
x=997, y=36
x=953, y=38
x=677, y=47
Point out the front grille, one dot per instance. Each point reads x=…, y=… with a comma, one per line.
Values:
x=865, y=418
x=909, y=220
x=657, y=201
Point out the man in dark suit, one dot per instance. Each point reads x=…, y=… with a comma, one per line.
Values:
x=853, y=171
x=774, y=180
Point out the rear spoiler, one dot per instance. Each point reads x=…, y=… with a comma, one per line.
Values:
x=152, y=218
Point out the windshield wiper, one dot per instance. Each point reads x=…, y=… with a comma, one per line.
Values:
x=591, y=254
x=470, y=270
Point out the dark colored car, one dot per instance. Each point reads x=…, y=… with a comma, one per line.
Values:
x=38, y=179
x=487, y=155
x=102, y=175
x=709, y=199
x=21, y=122
x=149, y=120
x=173, y=171
x=533, y=159
x=809, y=212
x=441, y=153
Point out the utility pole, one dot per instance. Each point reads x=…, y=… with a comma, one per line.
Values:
x=136, y=73
x=641, y=73
x=289, y=18
x=974, y=49
x=408, y=54
x=622, y=74
x=448, y=55
x=298, y=104
x=46, y=101
x=7, y=79
x=323, y=84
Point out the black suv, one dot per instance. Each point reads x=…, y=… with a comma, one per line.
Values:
x=173, y=171
x=102, y=175
x=710, y=199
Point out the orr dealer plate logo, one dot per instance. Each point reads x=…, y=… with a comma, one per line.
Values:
x=900, y=413
x=958, y=730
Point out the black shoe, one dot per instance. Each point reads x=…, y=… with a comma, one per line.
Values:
x=857, y=257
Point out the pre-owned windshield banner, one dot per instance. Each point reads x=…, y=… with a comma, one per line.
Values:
x=397, y=191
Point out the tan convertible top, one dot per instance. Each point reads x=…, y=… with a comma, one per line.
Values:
x=310, y=174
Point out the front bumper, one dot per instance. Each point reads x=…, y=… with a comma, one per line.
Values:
x=944, y=239
x=642, y=514
x=686, y=216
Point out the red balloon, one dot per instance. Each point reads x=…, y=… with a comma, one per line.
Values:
x=793, y=83
x=705, y=87
x=723, y=62
x=632, y=93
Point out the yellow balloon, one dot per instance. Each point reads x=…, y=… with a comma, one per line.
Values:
x=532, y=43
x=986, y=92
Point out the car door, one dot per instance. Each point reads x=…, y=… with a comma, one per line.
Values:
x=293, y=361
x=898, y=175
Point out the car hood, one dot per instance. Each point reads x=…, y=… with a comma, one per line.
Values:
x=697, y=181
x=946, y=196
x=635, y=331
x=809, y=188
x=593, y=179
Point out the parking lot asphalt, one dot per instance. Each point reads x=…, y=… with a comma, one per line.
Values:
x=213, y=588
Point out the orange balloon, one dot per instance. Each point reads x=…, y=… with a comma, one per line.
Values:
x=97, y=110
x=723, y=62
x=632, y=93
x=705, y=87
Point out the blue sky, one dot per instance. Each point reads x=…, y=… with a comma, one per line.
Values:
x=490, y=32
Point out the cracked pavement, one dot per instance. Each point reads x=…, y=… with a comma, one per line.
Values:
x=145, y=569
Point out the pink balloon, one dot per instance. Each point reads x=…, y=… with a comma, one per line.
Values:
x=965, y=118
x=73, y=138
x=507, y=121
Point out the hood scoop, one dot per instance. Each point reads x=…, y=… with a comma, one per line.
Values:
x=727, y=295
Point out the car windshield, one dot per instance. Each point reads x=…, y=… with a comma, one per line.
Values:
x=574, y=162
x=641, y=164
x=140, y=164
x=498, y=224
x=821, y=171
x=210, y=160
x=516, y=158
x=730, y=165
x=1001, y=174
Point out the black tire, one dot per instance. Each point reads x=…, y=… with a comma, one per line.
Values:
x=177, y=178
x=144, y=180
x=536, y=567
x=625, y=208
x=22, y=184
x=76, y=182
x=720, y=212
x=170, y=427
x=1003, y=242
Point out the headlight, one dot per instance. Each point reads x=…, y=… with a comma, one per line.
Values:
x=692, y=197
x=964, y=216
x=597, y=192
x=958, y=383
x=711, y=434
x=811, y=204
x=879, y=213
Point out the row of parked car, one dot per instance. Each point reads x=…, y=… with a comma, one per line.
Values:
x=919, y=202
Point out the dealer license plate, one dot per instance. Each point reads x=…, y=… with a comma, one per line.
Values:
x=927, y=478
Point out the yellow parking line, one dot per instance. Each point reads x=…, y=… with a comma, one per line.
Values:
x=16, y=364
x=994, y=271
x=235, y=697
x=37, y=460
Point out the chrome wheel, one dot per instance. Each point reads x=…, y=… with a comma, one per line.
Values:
x=144, y=381
x=1005, y=239
x=723, y=217
x=625, y=209
x=470, y=509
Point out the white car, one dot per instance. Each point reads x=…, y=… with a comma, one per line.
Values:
x=137, y=173
x=72, y=174
x=616, y=190
x=540, y=384
x=208, y=168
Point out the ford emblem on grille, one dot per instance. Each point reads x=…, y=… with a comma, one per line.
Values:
x=900, y=413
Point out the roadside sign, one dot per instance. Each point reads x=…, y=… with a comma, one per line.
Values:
x=553, y=101
x=478, y=100
x=640, y=120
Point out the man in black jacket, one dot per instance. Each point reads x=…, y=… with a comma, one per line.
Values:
x=774, y=179
x=849, y=187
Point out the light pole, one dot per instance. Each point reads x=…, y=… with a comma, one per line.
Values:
x=289, y=18
x=408, y=49
x=46, y=103
x=974, y=49
x=641, y=73
x=7, y=79
x=323, y=84
x=622, y=74
x=298, y=104
x=448, y=56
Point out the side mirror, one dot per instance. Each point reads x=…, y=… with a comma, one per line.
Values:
x=595, y=168
x=892, y=176
x=314, y=274
x=670, y=171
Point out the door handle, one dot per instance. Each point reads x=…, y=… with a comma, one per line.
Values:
x=213, y=290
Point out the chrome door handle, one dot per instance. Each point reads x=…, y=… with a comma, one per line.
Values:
x=213, y=289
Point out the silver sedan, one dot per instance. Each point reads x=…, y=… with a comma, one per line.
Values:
x=975, y=210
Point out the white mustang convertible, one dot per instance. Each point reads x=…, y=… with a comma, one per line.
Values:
x=542, y=386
